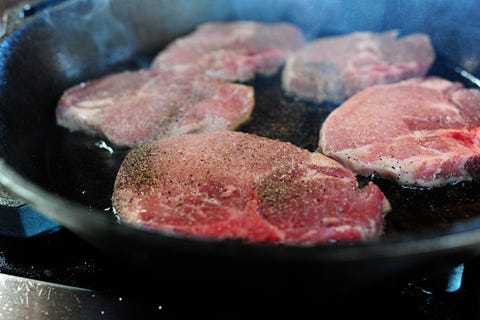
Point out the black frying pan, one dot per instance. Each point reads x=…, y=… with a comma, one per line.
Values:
x=69, y=176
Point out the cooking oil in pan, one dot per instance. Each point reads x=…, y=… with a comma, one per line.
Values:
x=83, y=168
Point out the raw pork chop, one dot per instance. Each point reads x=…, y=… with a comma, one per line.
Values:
x=423, y=132
x=334, y=68
x=136, y=106
x=235, y=185
x=232, y=50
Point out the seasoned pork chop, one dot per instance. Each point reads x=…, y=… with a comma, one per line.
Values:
x=132, y=107
x=234, y=51
x=334, y=68
x=423, y=132
x=232, y=185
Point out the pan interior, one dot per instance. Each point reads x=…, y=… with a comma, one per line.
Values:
x=82, y=168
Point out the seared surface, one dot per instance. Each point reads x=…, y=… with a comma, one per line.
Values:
x=423, y=132
x=334, y=68
x=132, y=107
x=235, y=185
x=234, y=51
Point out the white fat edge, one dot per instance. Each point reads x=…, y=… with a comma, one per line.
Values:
x=215, y=123
x=403, y=171
x=77, y=120
x=96, y=103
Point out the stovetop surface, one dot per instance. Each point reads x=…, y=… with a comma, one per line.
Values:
x=59, y=257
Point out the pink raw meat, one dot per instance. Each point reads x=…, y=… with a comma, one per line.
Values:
x=234, y=51
x=334, y=68
x=132, y=107
x=423, y=132
x=230, y=185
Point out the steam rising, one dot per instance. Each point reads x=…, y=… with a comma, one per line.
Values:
x=454, y=26
x=114, y=30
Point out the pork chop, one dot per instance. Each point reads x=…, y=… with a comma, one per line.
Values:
x=234, y=51
x=334, y=68
x=132, y=107
x=422, y=132
x=232, y=185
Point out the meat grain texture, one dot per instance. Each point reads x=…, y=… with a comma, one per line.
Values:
x=233, y=51
x=232, y=185
x=335, y=68
x=420, y=132
x=133, y=107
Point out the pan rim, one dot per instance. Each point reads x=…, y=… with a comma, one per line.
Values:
x=53, y=207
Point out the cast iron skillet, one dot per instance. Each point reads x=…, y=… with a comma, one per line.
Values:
x=68, y=177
